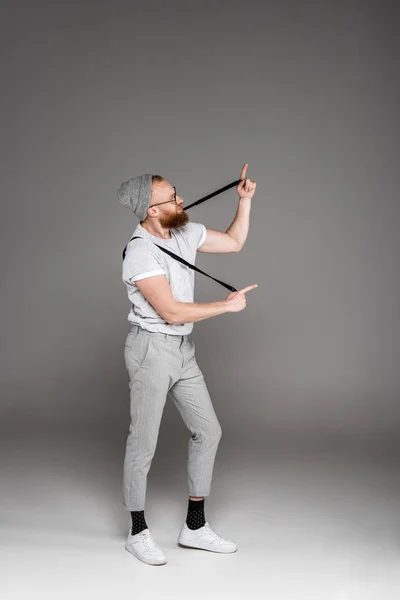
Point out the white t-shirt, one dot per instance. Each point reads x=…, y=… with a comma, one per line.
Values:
x=144, y=259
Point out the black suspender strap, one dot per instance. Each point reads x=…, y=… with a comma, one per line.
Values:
x=182, y=260
x=227, y=187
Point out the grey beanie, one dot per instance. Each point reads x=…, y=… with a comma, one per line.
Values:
x=135, y=194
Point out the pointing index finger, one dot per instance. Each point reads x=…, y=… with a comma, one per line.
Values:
x=248, y=288
x=243, y=172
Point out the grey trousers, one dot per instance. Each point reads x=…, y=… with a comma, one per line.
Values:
x=159, y=364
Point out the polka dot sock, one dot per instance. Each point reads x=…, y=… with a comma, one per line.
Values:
x=138, y=521
x=195, y=516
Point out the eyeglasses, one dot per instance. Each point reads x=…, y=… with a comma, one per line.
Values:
x=174, y=200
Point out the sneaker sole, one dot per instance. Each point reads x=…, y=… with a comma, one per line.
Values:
x=207, y=549
x=153, y=564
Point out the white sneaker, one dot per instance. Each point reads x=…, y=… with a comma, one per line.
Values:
x=205, y=539
x=144, y=548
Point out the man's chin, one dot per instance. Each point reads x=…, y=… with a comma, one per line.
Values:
x=180, y=222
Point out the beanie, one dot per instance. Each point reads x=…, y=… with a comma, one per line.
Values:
x=135, y=194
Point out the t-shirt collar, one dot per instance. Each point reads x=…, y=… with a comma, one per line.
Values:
x=154, y=238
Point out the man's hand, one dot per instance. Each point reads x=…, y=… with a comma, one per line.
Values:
x=236, y=301
x=246, y=187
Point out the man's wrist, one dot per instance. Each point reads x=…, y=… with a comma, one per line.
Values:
x=225, y=305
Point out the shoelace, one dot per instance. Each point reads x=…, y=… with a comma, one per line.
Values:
x=148, y=540
x=214, y=535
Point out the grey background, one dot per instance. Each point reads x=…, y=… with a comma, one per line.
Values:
x=96, y=92
x=308, y=96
